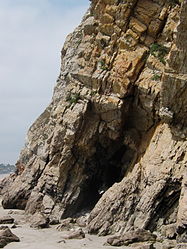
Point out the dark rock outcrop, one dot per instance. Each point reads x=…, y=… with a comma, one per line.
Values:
x=6, y=236
x=6, y=220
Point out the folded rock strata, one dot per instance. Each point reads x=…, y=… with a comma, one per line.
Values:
x=113, y=139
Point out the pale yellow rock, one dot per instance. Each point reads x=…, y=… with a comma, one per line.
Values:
x=163, y=13
x=113, y=138
x=137, y=26
x=106, y=18
x=112, y=9
x=110, y=1
x=146, y=10
x=107, y=29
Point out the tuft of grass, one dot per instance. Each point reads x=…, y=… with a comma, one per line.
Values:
x=159, y=51
x=156, y=77
x=72, y=98
x=93, y=93
x=103, y=65
x=79, y=42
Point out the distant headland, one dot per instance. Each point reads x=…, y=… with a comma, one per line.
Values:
x=6, y=168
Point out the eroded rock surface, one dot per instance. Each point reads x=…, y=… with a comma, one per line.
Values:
x=113, y=139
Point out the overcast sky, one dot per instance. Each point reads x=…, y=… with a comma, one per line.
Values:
x=32, y=33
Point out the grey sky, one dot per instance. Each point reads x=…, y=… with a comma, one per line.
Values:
x=32, y=34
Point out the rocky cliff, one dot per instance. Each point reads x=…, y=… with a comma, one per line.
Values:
x=113, y=139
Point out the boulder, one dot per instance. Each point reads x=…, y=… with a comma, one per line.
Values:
x=82, y=221
x=169, y=231
x=6, y=236
x=78, y=234
x=66, y=224
x=131, y=237
x=39, y=221
x=6, y=220
x=54, y=222
x=143, y=245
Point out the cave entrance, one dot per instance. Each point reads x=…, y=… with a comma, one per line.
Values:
x=106, y=167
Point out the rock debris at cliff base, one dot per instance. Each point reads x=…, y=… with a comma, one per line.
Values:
x=113, y=139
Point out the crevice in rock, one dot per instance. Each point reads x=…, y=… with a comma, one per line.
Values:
x=105, y=168
x=112, y=159
x=101, y=171
x=167, y=201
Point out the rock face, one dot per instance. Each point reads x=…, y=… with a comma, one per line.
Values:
x=113, y=139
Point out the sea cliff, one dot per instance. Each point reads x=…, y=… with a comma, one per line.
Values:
x=113, y=139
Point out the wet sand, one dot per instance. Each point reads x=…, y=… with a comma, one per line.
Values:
x=48, y=238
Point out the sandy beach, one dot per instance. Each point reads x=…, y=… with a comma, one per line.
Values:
x=48, y=238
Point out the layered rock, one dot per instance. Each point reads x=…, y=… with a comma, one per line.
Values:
x=116, y=124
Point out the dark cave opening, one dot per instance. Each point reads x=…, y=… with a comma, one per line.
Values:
x=106, y=167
